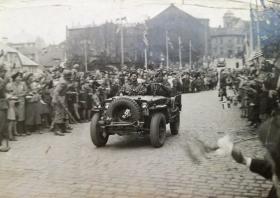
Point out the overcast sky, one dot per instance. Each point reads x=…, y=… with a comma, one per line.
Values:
x=22, y=20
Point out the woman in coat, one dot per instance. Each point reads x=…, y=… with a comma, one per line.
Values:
x=17, y=88
x=33, y=114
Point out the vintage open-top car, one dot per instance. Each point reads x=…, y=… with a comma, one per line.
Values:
x=144, y=115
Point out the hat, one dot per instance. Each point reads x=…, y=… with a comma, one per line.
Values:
x=14, y=76
x=159, y=73
x=76, y=66
x=28, y=75
x=67, y=74
x=133, y=72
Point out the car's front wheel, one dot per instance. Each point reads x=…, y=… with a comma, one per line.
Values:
x=158, y=130
x=98, y=137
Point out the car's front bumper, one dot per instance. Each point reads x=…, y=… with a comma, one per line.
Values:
x=122, y=128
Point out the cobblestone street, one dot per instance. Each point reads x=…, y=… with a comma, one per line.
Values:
x=44, y=165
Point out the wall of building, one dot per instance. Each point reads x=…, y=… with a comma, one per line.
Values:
x=103, y=43
x=30, y=49
x=229, y=41
x=227, y=46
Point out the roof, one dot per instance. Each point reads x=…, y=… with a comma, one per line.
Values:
x=25, y=61
x=172, y=9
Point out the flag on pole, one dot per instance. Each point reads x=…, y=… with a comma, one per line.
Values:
x=263, y=4
x=118, y=29
x=169, y=41
x=247, y=46
x=180, y=42
x=145, y=36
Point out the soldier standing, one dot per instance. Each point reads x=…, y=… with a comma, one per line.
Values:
x=59, y=103
x=4, y=143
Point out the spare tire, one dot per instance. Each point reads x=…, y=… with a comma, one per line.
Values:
x=119, y=107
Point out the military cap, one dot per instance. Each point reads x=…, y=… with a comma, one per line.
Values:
x=159, y=73
x=27, y=76
x=15, y=75
x=67, y=74
x=76, y=66
x=133, y=72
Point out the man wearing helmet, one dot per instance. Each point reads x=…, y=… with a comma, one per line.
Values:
x=59, y=102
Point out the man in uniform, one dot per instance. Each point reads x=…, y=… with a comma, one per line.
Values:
x=160, y=86
x=133, y=88
x=4, y=143
x=59, y=103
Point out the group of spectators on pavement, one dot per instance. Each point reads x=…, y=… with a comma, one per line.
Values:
x=59, y=97
x=256, y=88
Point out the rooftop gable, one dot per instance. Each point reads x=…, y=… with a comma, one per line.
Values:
x=25, y=61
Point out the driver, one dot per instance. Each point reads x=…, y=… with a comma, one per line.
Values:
x=160, y=86
x=133, y=88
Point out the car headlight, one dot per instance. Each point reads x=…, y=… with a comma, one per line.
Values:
x=144, y=105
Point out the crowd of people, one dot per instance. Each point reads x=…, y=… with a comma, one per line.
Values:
x=256, y=88
x=59, y=97
x=56, y=98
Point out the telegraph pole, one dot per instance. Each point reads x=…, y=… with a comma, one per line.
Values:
x=122, y=50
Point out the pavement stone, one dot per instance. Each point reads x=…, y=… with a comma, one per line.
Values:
x=44, y=165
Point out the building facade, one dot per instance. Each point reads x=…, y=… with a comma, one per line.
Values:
x=16, y=61
x=173, y=24
x=102, y=44
x=52, y=55
x=228, y=41
x=30, y=49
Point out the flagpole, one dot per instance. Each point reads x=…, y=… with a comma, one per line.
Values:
x=146, y=59
x=190, y=54
x=85, y=55
x=145, y=40
x=180, y=53
x=122, y=53
x=167, y=55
